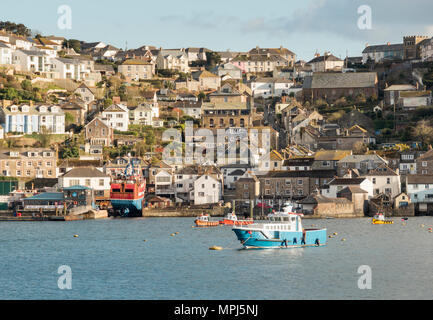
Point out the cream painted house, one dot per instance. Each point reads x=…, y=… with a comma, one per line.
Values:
x=137, y=69
x=385, y=180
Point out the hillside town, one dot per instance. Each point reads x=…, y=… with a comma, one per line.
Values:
x=339, y=136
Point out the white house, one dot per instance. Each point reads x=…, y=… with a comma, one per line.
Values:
x=117, y=117
x=270, y=87
x=87, y=177
x=31, y=60
x=164, y=184
x=420, y=187
x=66, y=68
x=141, y=115
x=172, y=60
x=207, y=190
x=5, y=53
x=326, y=63
x=385, y=180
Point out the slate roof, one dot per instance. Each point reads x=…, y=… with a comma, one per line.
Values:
x=340, y=80
x=87, y=172
x=329, y=57
x=420, y=179
x=384, y=48
x=346, y=181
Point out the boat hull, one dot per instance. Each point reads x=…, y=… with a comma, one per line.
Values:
x=130, y=208
x=382, y=222
x=205, y=224
x=251, y=239
x=227, y=222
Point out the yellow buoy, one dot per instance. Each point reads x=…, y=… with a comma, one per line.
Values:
x=335, y=234
x=76, y=236
x=216, y=248
x=422, y=226
x=172, y=234
x=343, y=239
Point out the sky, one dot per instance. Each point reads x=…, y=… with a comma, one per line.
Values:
x=304, y=27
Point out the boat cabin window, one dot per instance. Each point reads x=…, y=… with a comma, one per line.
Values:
x=116, y=190
x=129, y=190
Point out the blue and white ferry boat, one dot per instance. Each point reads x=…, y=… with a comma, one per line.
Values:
x=283, y=230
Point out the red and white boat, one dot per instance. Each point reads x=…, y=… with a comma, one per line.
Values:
x=232, y=220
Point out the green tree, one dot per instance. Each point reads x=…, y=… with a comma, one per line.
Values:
x=72, y=43
x=26, y=85
x=45, y=137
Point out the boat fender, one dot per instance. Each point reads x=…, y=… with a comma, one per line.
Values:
x=303, y=240
x=295, y=241
x=318, y=242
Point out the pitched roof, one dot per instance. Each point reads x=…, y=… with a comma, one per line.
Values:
x=331, y=155
x=384, y=48
x=382, y=170
x=346, y=181
x=329, y=57
x=340, y=80
x=135, y=62
x=87, y=172
x=352, y=189
x=419, y=179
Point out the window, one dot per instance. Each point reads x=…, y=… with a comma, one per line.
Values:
x=245, y=187
x=201, y=194
x=424, y=164
x=74, y=182
x=101, y=182
x=374, y=180
x=388, y=180
x=267, y=182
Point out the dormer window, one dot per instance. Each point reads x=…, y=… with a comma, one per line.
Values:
x=25, y=108
x=14, y=108
x=42, y=109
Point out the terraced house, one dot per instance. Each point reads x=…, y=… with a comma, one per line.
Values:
x=30, y=119
x=28, y=163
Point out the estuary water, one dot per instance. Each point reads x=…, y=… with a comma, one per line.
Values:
x=109, y=260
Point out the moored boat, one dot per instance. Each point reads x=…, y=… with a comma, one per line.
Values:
x=232, y=220
x=283, y=230
x=204, y=221
x=379, y=218
x=127, y=194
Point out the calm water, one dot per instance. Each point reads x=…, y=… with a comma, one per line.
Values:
x=110, y=260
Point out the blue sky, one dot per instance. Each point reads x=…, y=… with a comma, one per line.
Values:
x=302, y=26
